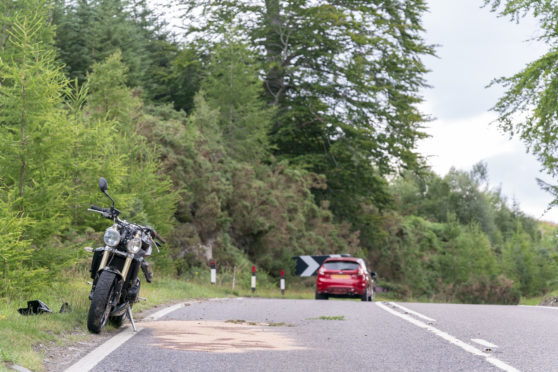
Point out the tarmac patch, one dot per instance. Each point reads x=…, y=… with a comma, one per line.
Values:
x=218, y=337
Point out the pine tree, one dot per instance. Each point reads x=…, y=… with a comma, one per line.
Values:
x=232, y=86
x=35, y=132
x=141, y=187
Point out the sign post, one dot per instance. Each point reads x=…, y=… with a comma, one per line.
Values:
x=213, y=273
x=253, y=279
x=282, y=285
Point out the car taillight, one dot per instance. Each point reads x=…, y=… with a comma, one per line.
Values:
x=322, y=271
x=360, y=272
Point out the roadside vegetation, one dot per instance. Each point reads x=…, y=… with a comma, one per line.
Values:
x=239, y=148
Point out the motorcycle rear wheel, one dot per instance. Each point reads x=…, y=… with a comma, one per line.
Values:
x=101, y=302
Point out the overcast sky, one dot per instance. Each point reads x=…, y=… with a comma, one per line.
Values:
x=475, y=47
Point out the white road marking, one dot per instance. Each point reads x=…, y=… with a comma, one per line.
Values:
x=161, y=313
x=453, y=340
x=484, y=343
x=412, y=312
x=540, y=307
x=95, y=356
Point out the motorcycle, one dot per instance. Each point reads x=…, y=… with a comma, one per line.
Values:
x=115, y=268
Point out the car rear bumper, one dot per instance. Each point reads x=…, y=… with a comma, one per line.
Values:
x=335, y=288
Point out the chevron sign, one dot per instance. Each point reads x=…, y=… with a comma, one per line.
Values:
x=309, y=265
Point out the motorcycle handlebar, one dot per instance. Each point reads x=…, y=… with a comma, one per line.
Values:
x=99, y=209
x=160, y=239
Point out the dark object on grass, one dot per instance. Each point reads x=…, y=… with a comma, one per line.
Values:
x=34, y=307
x=65, y=308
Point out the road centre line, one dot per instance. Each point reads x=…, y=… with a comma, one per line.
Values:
x=453, y=340
x=101, y=352
x=412, y=312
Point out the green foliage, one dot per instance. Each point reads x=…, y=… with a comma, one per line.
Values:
x=478, y=248
x=35, y=132
x=231, y=208
x=304, y=110
x=528, y=109
x=89, y=31
x=232, y=86
x=19, y=275
x=344, y=80
x=142, y=190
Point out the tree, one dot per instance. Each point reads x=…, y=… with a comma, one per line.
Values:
x=344, y=78
x=35, y=131
x=529, y=106
x=89, y=31
x=142, y=188
x=232, y=86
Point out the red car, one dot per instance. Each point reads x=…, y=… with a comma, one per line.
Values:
x=345, y=277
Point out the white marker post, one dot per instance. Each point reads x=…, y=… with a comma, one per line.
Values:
x=213, y=273
x=253, y=279
x=282, y=285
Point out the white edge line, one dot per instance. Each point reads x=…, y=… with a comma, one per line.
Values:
x=540, y=307
x=95, y=356
x=161, y=313
x=98, y=354
x=471, y=349
x=412, y=312
x=484, y=343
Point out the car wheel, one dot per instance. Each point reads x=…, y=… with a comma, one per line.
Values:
x=320, y=296
x=365, y=296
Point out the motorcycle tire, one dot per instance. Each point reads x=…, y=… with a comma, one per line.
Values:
x=101, y=302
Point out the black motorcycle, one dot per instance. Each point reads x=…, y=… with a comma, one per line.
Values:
x=115, y=268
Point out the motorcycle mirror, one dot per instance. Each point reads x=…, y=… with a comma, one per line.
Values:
x=103, y=185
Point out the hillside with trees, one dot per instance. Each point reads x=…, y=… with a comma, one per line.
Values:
x=264, y=131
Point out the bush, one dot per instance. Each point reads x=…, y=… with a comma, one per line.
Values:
x=484, y=290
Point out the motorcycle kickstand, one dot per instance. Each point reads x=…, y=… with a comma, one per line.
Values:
x=129, y=312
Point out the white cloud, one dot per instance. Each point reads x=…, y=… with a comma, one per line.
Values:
x=461, y=143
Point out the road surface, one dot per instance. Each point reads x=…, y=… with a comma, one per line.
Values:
x=252, y=334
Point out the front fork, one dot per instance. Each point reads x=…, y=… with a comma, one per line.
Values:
x=126, y=267
x=103, y=264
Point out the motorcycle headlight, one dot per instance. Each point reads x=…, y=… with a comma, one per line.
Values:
x=134, y=245
x=112, y=237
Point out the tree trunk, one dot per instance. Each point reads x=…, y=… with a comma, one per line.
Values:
x=23, y=108
x=275, y=44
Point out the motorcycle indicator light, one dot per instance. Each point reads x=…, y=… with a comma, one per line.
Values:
x=112, y=237
x=134, y=244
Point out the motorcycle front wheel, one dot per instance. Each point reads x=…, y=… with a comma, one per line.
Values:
x=101, y=302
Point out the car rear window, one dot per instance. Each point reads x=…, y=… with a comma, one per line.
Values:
x=341, y=265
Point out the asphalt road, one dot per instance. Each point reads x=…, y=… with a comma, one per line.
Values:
x=251, y=334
